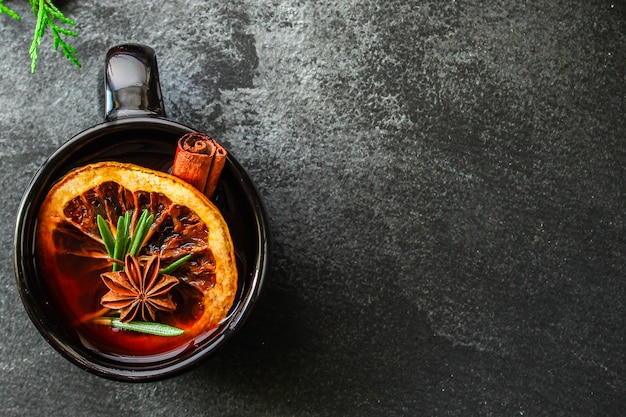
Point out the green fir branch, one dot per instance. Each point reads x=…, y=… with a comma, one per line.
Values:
x=47, y=15
x=5, y=9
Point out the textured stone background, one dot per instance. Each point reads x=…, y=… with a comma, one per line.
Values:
x=445, y=186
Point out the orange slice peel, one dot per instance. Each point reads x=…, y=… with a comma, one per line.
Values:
x=186, y=222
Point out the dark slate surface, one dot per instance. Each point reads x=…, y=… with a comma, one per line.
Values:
x=445, y=186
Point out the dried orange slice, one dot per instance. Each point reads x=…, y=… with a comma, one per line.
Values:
x=72, y=256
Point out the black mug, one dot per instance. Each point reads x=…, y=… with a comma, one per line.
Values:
x=136, y=130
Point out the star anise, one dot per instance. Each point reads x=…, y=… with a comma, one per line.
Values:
x=139, y=289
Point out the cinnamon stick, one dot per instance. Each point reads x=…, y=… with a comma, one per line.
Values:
x=219, y=159
x=199, y=160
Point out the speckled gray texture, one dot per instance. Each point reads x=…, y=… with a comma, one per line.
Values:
x=444, y=182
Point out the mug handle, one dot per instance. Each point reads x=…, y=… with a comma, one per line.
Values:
x=131, y=83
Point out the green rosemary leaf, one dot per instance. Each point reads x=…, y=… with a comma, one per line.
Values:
x=136, y=232
x=127, y=222
x=174, y=265
x=107, y=236
x=126, y=245
x=140, y=232
x=120, y=241
x=149, y=222
x=141, y=220
x=158, y=329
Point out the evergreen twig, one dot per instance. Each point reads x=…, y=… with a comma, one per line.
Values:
x=47, y=13
x=5, y=9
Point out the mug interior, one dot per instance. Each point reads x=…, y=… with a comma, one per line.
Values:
x=149, y=142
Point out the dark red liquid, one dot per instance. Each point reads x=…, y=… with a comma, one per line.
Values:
x=78, y=293
x=75, y=287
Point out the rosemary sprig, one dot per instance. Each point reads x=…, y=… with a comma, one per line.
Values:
x=117, y=247
x=124, y=243
x=140, y=232
x=158, y=329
